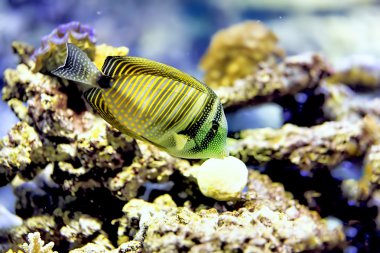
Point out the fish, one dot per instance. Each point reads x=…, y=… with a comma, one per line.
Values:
x=152, y=102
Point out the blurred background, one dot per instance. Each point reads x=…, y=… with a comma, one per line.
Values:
x=178, y=32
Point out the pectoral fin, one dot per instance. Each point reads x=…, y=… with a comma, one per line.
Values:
x=180, y=140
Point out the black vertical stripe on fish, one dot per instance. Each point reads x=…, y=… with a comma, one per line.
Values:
x=204, y=144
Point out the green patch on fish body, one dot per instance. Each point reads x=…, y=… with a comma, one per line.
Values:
x=152, y=102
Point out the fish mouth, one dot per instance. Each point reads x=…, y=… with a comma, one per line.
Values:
x=221, y=155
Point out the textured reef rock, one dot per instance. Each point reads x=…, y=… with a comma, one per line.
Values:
x=267, y=83
x=342, y=103
x=85, y=187
x=268, y=220
x=18, y=150
x=236, y=52
x=324, y=145
x=358, y=76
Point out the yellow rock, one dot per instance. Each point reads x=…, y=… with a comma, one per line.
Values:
x=103, y=50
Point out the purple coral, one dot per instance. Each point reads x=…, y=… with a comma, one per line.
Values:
x=60, y=34
x=73, y=32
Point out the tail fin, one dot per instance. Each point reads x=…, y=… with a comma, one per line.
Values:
x=78, y=67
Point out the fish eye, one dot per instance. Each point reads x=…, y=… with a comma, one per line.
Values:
x=105, y=81
x=215, y=126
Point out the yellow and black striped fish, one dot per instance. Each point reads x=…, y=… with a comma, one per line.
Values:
x=152, y=102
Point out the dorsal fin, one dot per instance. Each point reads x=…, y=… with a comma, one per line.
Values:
x=116, y=66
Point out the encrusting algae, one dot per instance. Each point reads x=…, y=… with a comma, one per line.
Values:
x=83, y=185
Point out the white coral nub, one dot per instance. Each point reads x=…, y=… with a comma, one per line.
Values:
x=222, y=179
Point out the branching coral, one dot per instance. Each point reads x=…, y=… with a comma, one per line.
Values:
x=66, y=229
x=45, y=225
x=36, y=245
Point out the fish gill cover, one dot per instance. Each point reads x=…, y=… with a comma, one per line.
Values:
x=85, y=187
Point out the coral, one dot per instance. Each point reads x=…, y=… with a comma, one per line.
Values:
x=221, y=179
x=345, y=104
x=235, y=52
x=36, y=245
x=152, y=164
x=52, y=52
x=271, y=197
x=269, y=82
x=308, y=148
x=358, y=76
x=80, y=228
x=375, y=201
x=342, y=103
x=86, y=187
x=24, y=51
x=44, y=224
x=91, y=248
x=268, y=221
x=68, y=230
x=369, y=182
x=20, y=149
